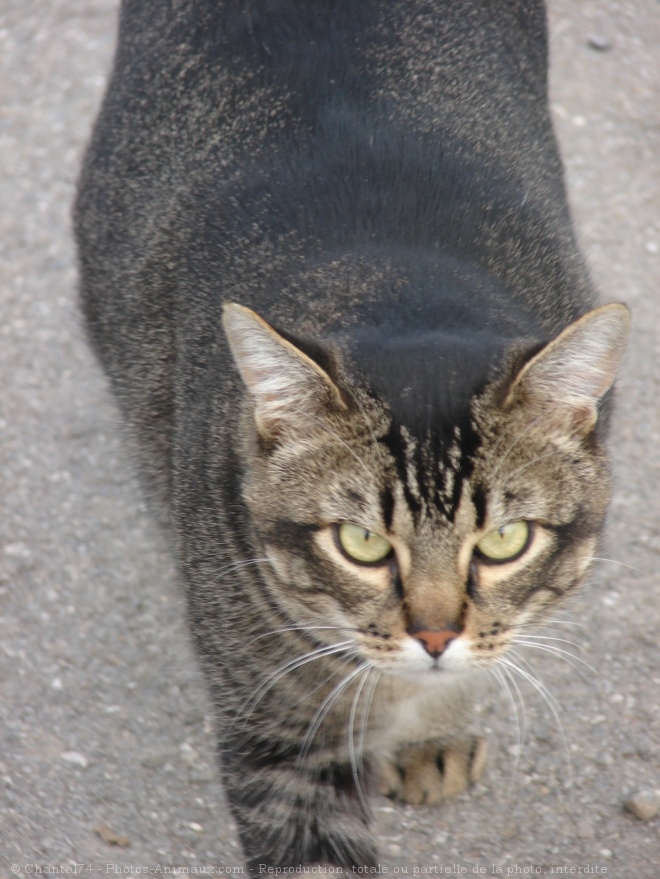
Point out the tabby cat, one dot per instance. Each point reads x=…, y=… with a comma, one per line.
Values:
x=328, y=264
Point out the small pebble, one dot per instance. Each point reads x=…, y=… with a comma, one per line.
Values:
x=188, y=754
x=75, y=758
x=109, y=836
x=599, y=43
x=643, y=804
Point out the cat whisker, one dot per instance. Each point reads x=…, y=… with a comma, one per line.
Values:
x=509, y=684
x=323, y=710
x=615, y=562
x=521, y=727
x=243, y=563
x=299, y=629
x=356, y=754
x=519, y=438
x=561, y=654
x=555, y=709
x=535, y=632
x=376, y=675
x=282, y=671
x=531, y=463
x=511, y=428
x=326, y=427
x=515, y=698
x=550, y=622
x=551, y=638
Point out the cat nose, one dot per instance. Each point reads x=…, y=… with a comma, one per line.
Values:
x=435, y=642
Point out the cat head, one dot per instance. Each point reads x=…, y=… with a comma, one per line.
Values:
x=427, y=526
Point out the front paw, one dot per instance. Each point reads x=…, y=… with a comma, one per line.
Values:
x=430, y=772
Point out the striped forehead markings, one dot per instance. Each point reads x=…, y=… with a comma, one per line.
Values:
x=399, y=443
x=429, y=481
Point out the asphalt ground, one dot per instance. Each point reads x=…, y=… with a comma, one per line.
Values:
x=106, y=749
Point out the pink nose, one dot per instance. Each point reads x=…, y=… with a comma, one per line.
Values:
x=435, y=643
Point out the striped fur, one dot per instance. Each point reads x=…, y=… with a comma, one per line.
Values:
x=327, y=262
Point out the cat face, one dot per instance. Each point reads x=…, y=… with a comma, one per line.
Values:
x=429, y=552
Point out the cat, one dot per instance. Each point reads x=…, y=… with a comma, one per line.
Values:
x=327, y=262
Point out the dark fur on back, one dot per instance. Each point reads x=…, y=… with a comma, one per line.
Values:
x=379, y=181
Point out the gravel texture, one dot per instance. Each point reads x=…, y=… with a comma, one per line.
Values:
x=106, y=757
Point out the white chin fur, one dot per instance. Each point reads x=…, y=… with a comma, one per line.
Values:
x=414, y=662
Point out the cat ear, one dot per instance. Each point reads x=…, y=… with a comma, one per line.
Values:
x=290, y=390
x=562, y=384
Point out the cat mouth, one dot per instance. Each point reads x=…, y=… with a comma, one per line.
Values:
x=415, y=663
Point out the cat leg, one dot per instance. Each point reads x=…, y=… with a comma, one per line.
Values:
x=291, y=816
x=431, y=771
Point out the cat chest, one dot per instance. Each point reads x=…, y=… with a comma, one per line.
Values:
x=405, y=714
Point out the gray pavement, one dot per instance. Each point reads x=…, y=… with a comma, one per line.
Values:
x=106, y=750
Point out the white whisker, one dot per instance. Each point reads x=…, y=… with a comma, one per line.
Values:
x=521, y=436
x=550, y=623
x=355, y=756
x=531, y=463
x=342, y=442
x=521, y=727
x=299, y=629
x=279, y=673
x=551, y=638
x=508, y=684
x=243, y=563
x=550, y=701
x=557, y=651
x=323, y=710
x=365, y=711
x=615, y=562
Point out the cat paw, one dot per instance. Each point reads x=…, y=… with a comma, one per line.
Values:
x=429, y=772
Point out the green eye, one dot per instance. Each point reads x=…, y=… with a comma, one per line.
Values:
x=361, y=545
x=505, y=543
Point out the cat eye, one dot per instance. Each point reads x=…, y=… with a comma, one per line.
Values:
x=362, y=546
x=505, y=544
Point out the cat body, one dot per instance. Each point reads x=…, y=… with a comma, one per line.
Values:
x=327, y=262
